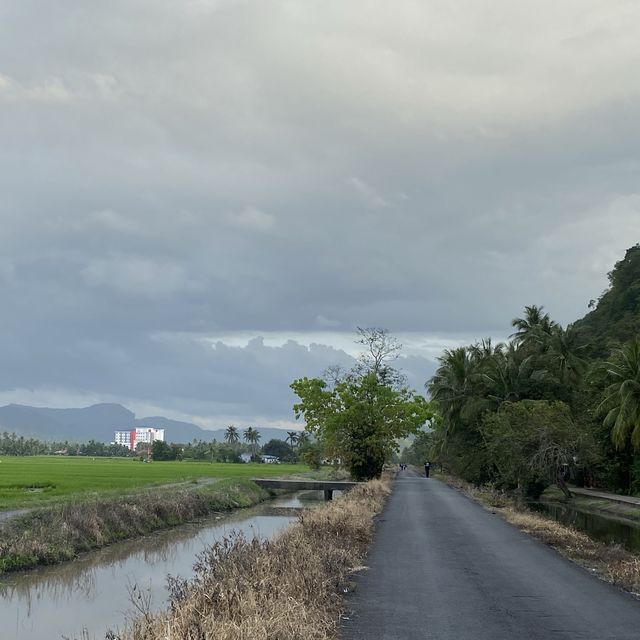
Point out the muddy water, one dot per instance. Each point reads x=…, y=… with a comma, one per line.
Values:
x=599, y=527
x=84, y=598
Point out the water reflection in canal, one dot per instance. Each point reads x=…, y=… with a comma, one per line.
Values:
x=92, y=594
x=602, y=528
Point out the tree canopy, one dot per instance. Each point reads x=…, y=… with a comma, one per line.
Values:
x=359, y=416
x=575, y=388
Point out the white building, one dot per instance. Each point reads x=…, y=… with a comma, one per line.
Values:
x=133, y=437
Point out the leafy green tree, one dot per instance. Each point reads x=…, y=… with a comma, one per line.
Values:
x=542, y=362
x=359, y=419
x=278, y=448
x=161, y=450
x=311, y=454
x=420, y=450
x=534, y=443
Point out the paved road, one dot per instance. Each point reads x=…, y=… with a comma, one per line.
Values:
x=443, y=568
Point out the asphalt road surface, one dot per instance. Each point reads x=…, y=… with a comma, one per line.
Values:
x=443, y=568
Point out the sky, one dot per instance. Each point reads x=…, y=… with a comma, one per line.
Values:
x=201, y=201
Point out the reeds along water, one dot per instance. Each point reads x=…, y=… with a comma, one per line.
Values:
x=92, y=592
x=287, y=588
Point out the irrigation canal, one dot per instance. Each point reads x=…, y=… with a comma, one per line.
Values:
x=607, y=529
x=93, y=593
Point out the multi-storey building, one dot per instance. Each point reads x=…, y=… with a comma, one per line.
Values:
x=133, y=437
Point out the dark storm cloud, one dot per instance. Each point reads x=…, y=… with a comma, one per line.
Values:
x=172, y=173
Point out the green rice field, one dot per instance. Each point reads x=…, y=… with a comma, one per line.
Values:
x=38, y=480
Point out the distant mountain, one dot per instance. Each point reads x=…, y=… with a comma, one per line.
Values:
x=96, y=422
x=616, y=317
x=100, y=421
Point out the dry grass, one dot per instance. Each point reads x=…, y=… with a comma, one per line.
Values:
x=59, y=533
x=287, y=588
x=611, y=563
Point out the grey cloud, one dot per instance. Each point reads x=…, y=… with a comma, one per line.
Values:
x=218, y=166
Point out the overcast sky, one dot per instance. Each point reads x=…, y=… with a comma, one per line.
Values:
x=201, y=200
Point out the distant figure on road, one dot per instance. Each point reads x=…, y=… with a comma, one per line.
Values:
x=427, y=466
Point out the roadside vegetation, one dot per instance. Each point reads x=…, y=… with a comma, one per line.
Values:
x=41, y=480
x=288, y=587
x=61, y=532
x=610, y=562
x=358, y=416
x=552, y=405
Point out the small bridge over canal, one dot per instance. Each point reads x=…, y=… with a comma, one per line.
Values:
x=327, y=486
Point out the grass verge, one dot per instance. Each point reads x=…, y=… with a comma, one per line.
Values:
x=286, y=588
x=58, y=533
x=611, y=563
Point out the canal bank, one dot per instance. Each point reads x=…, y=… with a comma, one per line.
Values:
x=101, y=589
x=290, y=587
x=61, y=532
x=607, y=520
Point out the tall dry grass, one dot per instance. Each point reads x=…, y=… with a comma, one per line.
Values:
x=287, y=588
x=610, y=562
x=61, y=532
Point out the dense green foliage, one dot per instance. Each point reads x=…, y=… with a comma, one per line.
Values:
x=357, y=417
x=161, y=450
x=12, y=444
x=616, y=318
x=420, y=450
x=280, y=449
x=532, y=443
x=550, y=403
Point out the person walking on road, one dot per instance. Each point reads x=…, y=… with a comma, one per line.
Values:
x=427, y=465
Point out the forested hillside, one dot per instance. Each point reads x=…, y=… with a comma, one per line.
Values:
x=616, y=318
x=553, y=403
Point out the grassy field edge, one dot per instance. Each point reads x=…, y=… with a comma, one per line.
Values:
x=41, y=481
x=289, y=587
x=60, y=532
x=610, y=563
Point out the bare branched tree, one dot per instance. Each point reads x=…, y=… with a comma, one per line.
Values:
x=381, y=349
x=334, y=373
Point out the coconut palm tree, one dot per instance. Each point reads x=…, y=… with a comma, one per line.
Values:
x=534, y=328
x=507, y=374
x=564, y=352
x=292, y=437
x=231, y=435
x=622, y=402
x=452, y=386
x=303, y=438
x=252, y=438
